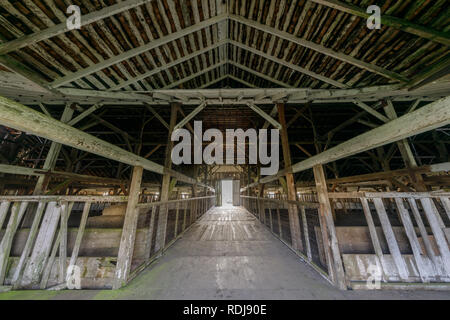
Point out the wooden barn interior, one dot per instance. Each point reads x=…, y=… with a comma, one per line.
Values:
x=89, y=196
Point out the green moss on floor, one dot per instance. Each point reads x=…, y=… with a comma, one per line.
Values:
x=28, y=295
x=137, y=287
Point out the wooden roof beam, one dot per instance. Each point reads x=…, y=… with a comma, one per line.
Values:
x=18, y=170
x=259, y=74
x=397, y=23
x=290, y=65
x=61, y=28
x=319, y=48
x=167, y=66
x=251, y=85
x=191, y=115
x=267, y=117
x=20, y=117
x=136, y=51
x=429, y=117
x=195, y=75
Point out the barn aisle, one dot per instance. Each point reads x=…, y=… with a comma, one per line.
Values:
x=227, y=254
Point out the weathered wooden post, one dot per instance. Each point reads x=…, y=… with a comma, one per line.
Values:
x=330, y=243
x=294, y=222
x=128, y=237
x=165, y=188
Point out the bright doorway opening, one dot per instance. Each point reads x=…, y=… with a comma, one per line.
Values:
x=227, y=193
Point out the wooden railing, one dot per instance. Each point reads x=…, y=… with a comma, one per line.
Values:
x=273, y=213
x=44, y=240
x=410, y=222
x=43, y=260
x=182, y=213
x=408, y=236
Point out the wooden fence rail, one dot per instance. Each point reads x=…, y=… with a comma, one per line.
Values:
x=409, y=233
x=43, y=255
x=273, y=213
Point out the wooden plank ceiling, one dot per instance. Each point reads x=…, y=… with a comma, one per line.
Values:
x=202, y=43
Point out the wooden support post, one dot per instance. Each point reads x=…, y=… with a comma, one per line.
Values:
x=165, y=189
x=128, y=237
x=63, y=242
x=17, y=212
x=52, y=155
x=335, y=266
x=294, y=222
x=306, y=233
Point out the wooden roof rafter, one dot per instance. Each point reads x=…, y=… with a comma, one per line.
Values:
x=271, y=30
x=391, y=21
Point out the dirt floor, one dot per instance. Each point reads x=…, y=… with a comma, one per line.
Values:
x=228, y=254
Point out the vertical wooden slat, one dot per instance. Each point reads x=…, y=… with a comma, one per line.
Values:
x=43, y=245
x=4, y=206
x=306, y=232
x=51, y=260
x=390, y=238
x=151, y=226
x=372, y=230
x=280, y=230
x=437, y=232
x=335, y=266
x=374, y=236
x=49, y=263
x=161, y=230
x=445, y=203
x=128, y=237
x=270, y=217
x=17, y=277
x=176, y=219
x=184, y=215
x=423, y=231
x=17, y=211
x=264, y=212
x=262, y=209
x=63, y=242
x=413, y=241
x=79, y=238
